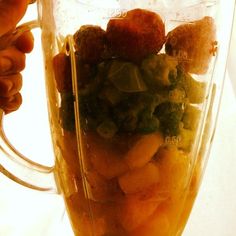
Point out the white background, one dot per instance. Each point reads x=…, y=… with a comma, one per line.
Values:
x=24, y=212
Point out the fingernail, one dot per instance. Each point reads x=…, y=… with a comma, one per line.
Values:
x=5, y=64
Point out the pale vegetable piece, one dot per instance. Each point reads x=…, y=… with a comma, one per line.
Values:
x=139, y=179
x=160, y=70
x=186, y=139
x=177, y=95
x=195, y=90
x=189, y=130
x=191, y=117
x=175, y=168
x=156, y=225
x=143, y=150
x=126, y=77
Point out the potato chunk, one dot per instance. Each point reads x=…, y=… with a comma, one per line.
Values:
x=139, y=179
x=135, y=209
x=143, y=150
x=174, y=170
x=156, y=225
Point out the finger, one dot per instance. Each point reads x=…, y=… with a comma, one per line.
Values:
x=11, y=104
x=11, y=13
x=10, y=85
x=11, y=61
x=25, y=42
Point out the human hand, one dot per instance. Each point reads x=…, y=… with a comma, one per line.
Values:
x=12, y=58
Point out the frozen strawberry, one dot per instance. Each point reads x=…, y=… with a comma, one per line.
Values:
x=193, y=44
x=136, y=35
x=90, y=43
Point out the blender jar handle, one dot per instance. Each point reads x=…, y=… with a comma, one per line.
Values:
x=13, y=164
x=22, y=170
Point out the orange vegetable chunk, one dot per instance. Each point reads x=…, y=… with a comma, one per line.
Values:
x=143, y=150
x=139, y=179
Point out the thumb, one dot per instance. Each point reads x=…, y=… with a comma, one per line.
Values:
x=11, y=11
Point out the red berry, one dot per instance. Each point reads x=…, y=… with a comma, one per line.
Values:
x=136, y=35
x=194, y=44
x=90, y=42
